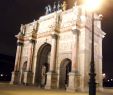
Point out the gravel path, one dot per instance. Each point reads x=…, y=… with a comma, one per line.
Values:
x=7, y=89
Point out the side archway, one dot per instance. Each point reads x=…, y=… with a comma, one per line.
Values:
x=65, y=68
x=42, y=66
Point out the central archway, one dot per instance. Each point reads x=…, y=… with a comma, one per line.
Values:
x=65, y=68
x=42, y=67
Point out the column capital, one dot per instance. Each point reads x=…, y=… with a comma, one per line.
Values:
x=19, y=44
x=32, y=41
x=54, y=36
x=74, y=31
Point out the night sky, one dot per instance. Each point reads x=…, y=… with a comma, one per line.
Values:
x=13, y=13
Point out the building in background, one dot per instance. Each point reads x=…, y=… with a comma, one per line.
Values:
x=55, y=50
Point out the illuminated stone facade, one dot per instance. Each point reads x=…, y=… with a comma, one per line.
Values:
x=55, y=51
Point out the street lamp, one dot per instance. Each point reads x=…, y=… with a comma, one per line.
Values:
x=92, y=5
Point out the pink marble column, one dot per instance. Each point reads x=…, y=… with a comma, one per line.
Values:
x=18, y=56
x=16, y=73
x=74, y=51
x=53, y=52
x=74, y=63
x=74, y=75
x=28, y=75
x=30, y=55
x=51, y=75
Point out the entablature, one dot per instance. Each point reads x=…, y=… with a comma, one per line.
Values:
x=60, y=21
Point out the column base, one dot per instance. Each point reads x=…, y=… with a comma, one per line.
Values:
x=99, y=87
x=15, y=77
x=74, y=82
x=51, y=82
x=28, y=77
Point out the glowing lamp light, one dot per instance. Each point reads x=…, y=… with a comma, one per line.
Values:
x=1, y=75
x=104, y=75
x=92, y=5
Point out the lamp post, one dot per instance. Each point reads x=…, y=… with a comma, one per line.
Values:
x=92, y=74
x=91, y=5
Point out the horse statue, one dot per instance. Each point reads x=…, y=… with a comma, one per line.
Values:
x=47, y=10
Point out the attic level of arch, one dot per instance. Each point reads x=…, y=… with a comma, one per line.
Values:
x=58, y=21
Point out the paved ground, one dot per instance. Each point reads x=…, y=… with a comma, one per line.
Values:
x=6, y=89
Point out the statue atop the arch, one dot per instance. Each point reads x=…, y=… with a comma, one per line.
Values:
x=48, y=9
x=59, y=5
x=64, y=6
x=56, y=6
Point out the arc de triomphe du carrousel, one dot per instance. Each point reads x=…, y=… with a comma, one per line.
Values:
x=55, y=50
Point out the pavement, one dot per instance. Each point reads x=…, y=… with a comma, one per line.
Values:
x=108, y=90
x=7, y=89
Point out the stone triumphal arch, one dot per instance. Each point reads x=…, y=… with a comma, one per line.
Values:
x=55, y=51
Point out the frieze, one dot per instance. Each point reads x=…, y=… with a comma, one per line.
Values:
x=47, y=25
x=66, y=29
x=40, y=35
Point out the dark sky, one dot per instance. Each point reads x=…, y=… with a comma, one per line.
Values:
x=13, y=13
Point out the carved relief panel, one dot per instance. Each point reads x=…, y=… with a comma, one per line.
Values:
x=65, y=42
x=46, y=23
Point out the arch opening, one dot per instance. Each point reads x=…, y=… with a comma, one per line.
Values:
x=65, y=68
x=42, y=66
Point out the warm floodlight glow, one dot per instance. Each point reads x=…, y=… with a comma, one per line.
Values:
x=92, y=5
